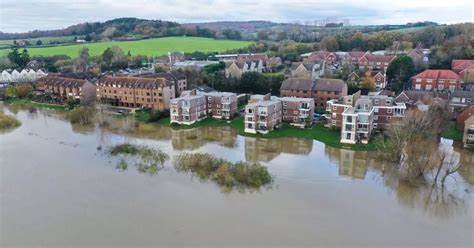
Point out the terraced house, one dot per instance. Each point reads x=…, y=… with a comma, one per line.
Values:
x=263, y=114
x=237, y=68
x=136, y=92
x=188, y=109
x=63, y=88
x=436, y=80
x=221, y=105
x=370, y=62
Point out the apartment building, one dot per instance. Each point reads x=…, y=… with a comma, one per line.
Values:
x=263, y=114
x=357, y=122
x=336, y=107
x=178, y=79
x=297, y=111
x=386, y=110
x=136, y=92
x=63, y=88
x=188, y=109
x=436, y=80
x=468, y=134
x=221, y=105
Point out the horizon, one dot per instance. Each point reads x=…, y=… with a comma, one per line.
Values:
x=30, y=16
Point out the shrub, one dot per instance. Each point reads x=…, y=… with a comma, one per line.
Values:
x=83, y=115
x=7, y=121
x=147, y=160
x=23, y=90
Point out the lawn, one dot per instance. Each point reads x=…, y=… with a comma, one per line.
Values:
x=45, y=40
x=317, y=132
x=452, y=133
x=149, y=47
x=28, y=103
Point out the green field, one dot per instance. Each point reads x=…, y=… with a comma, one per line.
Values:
x=407, y=30
x=45, y=40
x=150, y=47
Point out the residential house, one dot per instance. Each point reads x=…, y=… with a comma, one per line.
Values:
x=221, y=105
x=463, y=116
x=176, y=57
x=370, y=62
x=297, y=111
x=262, y=114
x=136, y=92
x=252, y=56
x=419, y=99
x=62, y=88
x=380, y=78
x=467, y=78
x=436, y=80
x=192, y=65
x=468, y=135
x=458, y=65
x=459, y=100
x=321, y=89
x=353, y=57
x=237, y=68
x=325, y=57
x=303, y=70
x=353, y=77
x=188, y=109
x=357, y=122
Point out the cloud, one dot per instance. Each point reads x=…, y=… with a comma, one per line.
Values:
x=25, y=15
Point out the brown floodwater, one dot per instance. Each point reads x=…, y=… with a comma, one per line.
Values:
x=58, y=190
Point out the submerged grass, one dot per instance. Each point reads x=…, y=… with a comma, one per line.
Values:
x=147, y=160
x=8, y=122
x=241, y=175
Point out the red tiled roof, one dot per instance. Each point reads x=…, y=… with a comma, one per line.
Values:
x=461, y=64
x=61, y=81
x=438, y=74
x=379, y=58
x=133, y=82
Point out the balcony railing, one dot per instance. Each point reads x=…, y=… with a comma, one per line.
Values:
x=470, y=131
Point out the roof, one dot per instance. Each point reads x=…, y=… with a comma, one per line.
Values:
x=219, y=94
x=461, y=64
x=296, y=99
x=463, y=94
x=61, y=81
x=308, y=66
x=135, y=82
x=356, y=54
x=329, y=84
x=379, y=58
x=297, y=84
x=437, y=74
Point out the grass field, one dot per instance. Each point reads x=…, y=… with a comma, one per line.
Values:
x=150, y=47
x=407, y=30
x=45, y=40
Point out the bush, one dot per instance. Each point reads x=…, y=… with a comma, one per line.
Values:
x=7, y=121
x=83, y=115
x=23, y=90
x=147, y=160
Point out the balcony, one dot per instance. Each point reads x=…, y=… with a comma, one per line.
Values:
x=470, y=131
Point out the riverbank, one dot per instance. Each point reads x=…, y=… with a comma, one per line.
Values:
x=317, y=132
x=29, y=103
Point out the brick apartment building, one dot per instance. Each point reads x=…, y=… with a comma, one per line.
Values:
x=297, y=111
x=221, y=105
x=262, y=114
x=188, y=109
x=63, y=88
x=136, y=92
x=436, y=80
x=321, y=90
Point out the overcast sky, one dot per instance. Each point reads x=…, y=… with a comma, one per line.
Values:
x=27, y=15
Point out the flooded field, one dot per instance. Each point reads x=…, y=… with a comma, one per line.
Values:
x=58, y=188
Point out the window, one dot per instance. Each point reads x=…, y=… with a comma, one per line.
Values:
x=376, y=101
x=285, y=104
x=389, y=118
x=418, y=86
x=389, y=110
x=376, y=117
x=334, y=108
x=428, y=87
x=333, y=122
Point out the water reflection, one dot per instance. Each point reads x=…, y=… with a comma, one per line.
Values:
x=258, y=149
x=352, y=164
x=191, y=139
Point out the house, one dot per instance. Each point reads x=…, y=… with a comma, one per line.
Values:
x=325, y=89
x=221, y=105
x=458, y=65
x=467, y=78
x=136, y=92
x=468, y=134
x=25, y=76
x=370, y=62
x=418, y=56
x=336, y=107
x=421, y=100
x=460, y=100
x=321, y=90
x=353, y=57
x=176, y=57
x=237, y=68
x=262, y=114
x=380, y=78
x=357, y=122
x=252, y=56
x=63, y=88
x=188, y=109
x=463, y=116
x=353, y=77
x=326, y=57
x=272, y=63
x=436, y=80
x=303, y=70
x=297, y=111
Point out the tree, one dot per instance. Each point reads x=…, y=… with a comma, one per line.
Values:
x=329, y=43
x=39, y=42
x=23, y=90
x=80, y=63
x=88, y=38
x=399, y=72
x=10, y=92
x=107, y=56
x=368, y=84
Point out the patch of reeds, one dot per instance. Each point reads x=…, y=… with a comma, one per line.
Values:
x=7, y=121
x=146, y=159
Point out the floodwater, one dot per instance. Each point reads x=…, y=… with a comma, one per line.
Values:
x=58, y=190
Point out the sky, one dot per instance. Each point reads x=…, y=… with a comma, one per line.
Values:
x=27, y=15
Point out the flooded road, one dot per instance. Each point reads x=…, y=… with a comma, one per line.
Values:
x=58, y=190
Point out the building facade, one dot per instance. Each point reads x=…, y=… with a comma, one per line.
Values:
x=188, y=109
x=64, y=88
x=221, y=105
x=436, y=80
x=297, y=111
x=263, y=114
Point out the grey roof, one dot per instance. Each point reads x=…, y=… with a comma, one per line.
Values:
x=297, y=84
x=464, y=94
x=329, y=84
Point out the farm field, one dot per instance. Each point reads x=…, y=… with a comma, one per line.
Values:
x=150, y=47
x=45, y=40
